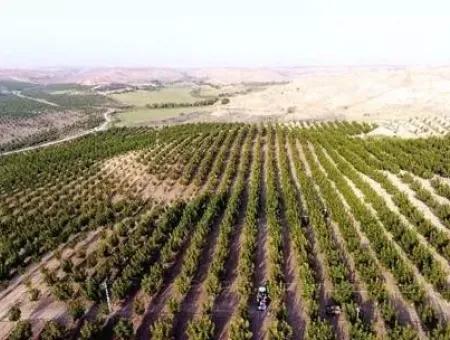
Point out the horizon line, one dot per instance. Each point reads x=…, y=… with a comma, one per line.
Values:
x=125, y=66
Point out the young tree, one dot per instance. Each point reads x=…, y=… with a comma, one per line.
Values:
x=90, y=330
x=34, y=294
x=22, y=331
x=76, y=309
x=14, y=313
x=123, y=330
x=139, y=307
x=53, y=331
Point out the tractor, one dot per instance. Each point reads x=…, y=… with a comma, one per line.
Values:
x=262, y=298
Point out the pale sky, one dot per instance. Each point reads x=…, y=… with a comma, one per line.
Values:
x=196, y=33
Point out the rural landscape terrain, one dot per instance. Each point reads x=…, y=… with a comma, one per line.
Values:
x=153, y=203
x=38, y=107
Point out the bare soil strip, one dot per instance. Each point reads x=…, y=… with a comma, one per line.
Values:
x=257, y=319
x=296, y=314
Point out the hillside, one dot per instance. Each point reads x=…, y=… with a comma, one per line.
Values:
x=403, y=101
x=183, y=223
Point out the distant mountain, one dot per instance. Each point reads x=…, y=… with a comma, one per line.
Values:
x=126, y=75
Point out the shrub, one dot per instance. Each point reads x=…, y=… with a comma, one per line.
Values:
x=63, y=291
x=291, y=109
x=90, y=330
x=22, y=331
x=34, y=294
x=139, y=307
x=14, y=313
x=91, y=289
x=67, y=266
x=123, y=330
x=201, y=329
x=76, y=309
x=53, y=331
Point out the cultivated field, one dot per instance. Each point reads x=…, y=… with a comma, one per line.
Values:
x=173, y=94
x=145, y=116
x=183, y=223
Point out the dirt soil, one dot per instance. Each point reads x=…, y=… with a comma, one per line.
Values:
x=133, y=175
x=374, y=94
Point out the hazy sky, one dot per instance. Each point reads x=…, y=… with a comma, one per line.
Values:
x=223, y=33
